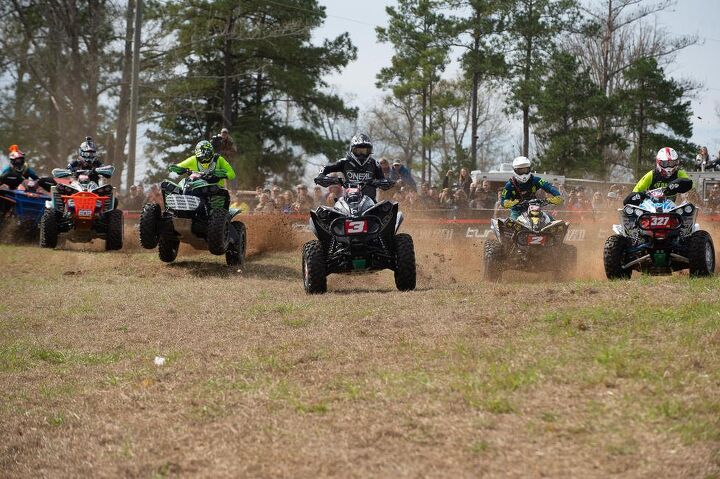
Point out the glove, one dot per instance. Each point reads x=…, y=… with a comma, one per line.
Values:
x=384, y=184
x=635, y=198
x=556, y=200
x=510, y=203
x=178, y=169
x=220, y=173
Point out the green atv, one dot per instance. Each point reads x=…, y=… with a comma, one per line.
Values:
x=196, y=212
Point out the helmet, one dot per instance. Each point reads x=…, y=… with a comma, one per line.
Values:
x=216, y=142
x=17, y=157
x=360, y=149
x=667, y=162
x=204, y=152
x=521, y=169
x=87, y=152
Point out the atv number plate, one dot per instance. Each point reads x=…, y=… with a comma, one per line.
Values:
x=353, y=227
x=85, y=213
x=536, y=240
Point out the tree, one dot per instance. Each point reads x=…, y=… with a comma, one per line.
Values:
x=531, y=33
x=394, y=126
x=483, y=59
x=420, y=35
x=251, y=66
x=455, y=117
x=567, y=102
x=656, y=111
x=59, y=66
x=620, y=34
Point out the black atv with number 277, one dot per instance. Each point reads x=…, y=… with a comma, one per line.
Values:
x=357, y=235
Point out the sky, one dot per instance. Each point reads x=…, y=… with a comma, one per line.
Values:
x=688, y=17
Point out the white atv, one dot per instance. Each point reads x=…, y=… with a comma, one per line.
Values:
x=658, y=237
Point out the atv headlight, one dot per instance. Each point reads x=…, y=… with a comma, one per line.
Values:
x=629, y=210
x=638, y=212
x=103, y=190
x=688, y=209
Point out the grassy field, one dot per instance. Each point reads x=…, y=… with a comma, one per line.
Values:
x=458, y=379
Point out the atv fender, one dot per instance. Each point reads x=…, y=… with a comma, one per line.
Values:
x=618, y=230
x=398, y=221
x=233, y=212
x=494, y=228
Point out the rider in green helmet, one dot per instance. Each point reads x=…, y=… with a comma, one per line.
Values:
x=205, y=160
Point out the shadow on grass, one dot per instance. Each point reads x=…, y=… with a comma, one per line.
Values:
x=220, y=270
x=332, y=290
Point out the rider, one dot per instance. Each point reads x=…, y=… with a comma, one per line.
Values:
x=18, y=171
x=358, y=165
x=215, y=168
x=523, y=185
x=87, y=159
x=667, y=174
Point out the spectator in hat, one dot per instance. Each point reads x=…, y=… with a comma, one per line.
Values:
x=303, y=202
x=399, y=172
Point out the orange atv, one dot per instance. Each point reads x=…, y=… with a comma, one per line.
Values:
x=82, y=208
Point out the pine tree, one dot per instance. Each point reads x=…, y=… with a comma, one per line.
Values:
x=420, y=35
x=250, y=66
x=532, y=30
x=567, y=102
x=656, y=112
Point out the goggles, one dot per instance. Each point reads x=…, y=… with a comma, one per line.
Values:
x=361, y=150
x=523, y=171
x=668, y=163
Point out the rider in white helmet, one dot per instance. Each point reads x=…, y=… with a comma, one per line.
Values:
x=523, y=186
x=666, y=174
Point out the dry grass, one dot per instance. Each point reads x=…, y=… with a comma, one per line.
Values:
x=458, y=379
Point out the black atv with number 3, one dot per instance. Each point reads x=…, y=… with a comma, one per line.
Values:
x=357, y=235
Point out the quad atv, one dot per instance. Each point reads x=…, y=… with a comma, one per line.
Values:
x=532, y=242
x=357, y=235
x=83, y=208
x=658, y=237
x=24, y=207
x=195, y=212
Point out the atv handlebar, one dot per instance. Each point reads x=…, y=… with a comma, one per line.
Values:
x=326, y=181
x=538, y=202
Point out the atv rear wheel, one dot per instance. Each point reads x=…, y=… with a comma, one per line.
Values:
x=701, y=254
x=493, y=260
x=218, y=227
x=149, y=222
x=405, y=269
x=49, y=229
x=314, y=268
x=115, y=230
x=613, y=257
x=568, y=262
x=168, y=249
x=235, y=254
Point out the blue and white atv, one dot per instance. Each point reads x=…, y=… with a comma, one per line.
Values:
x=658, y=237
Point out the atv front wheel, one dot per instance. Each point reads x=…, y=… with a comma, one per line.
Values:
x=613, y=256
x=313, y=268
x=405, y=271
x=149, y=221
x=235, y=254
x=701, y=254
x=168, y=249
x=217, y=231
x=115, y=230
x=49, y=229
x=493, y=260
